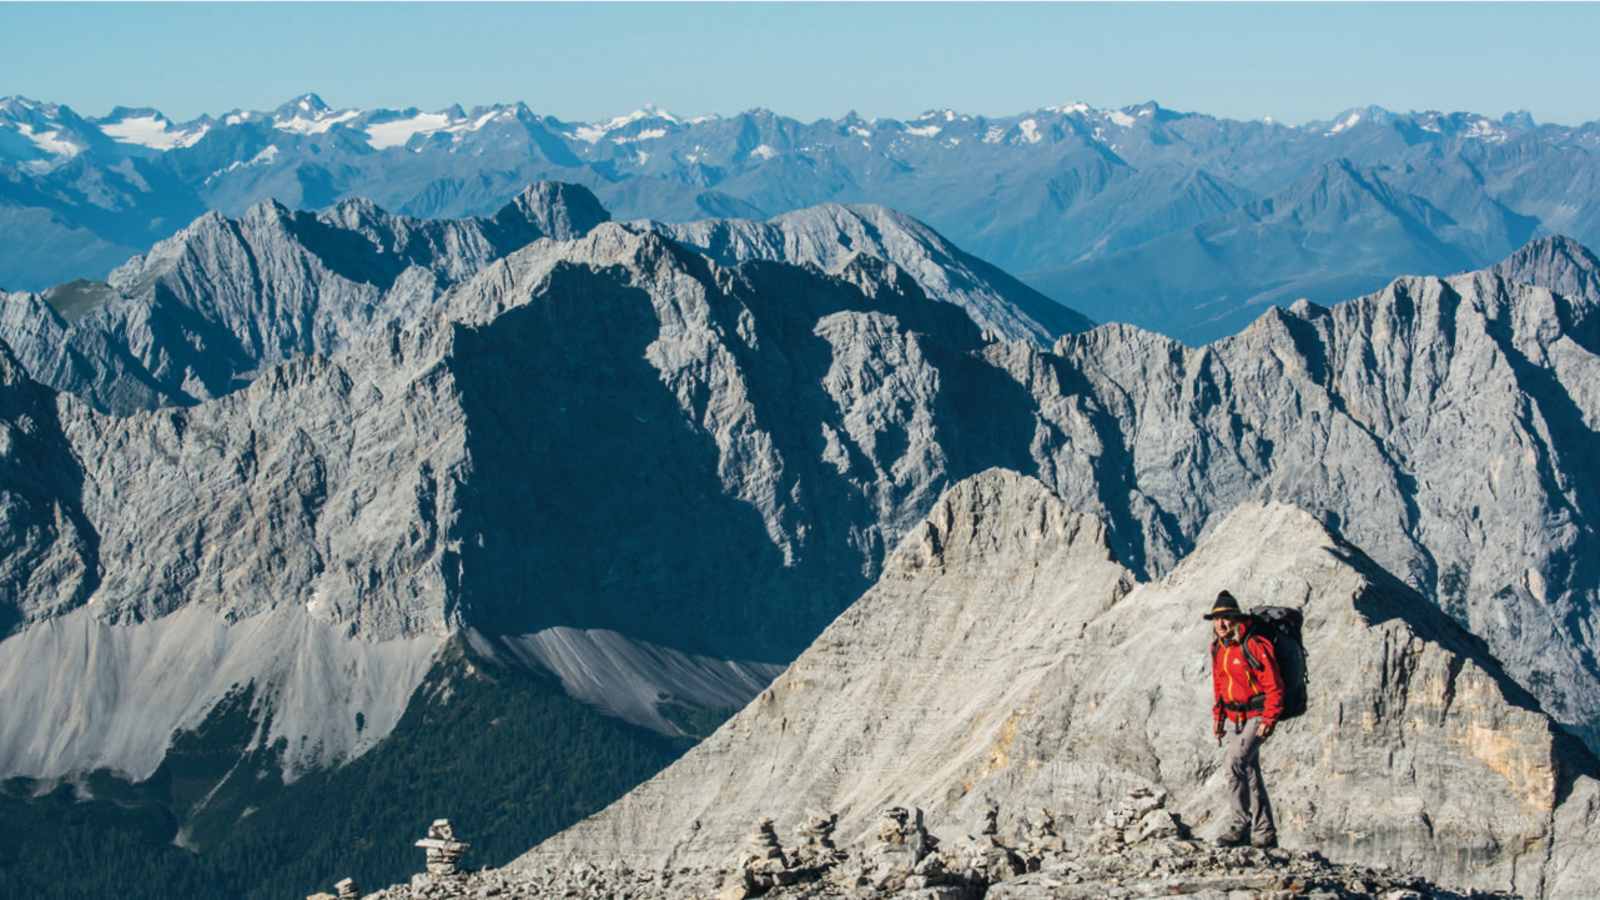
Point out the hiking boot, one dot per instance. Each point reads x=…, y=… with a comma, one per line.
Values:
x=1233, y=838
x=1270, y=842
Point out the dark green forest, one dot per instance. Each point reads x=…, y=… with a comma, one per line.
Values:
x=504, y=754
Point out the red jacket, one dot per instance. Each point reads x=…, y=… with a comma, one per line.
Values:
x=1234, y=681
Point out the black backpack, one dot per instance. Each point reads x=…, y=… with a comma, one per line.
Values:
x=1281, y=626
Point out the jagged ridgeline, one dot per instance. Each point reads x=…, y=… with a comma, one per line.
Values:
x=635, y=469
x=1178, y=221
x=290, y=463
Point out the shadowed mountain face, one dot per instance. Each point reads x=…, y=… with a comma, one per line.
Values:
x=1182, y=223
x=790, y=422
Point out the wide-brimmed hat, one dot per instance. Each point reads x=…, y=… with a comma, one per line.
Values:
x=1225, y=607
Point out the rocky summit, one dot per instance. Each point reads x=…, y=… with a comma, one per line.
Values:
x=1005, y=657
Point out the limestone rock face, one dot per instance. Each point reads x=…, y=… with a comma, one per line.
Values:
x=48, y=555
x=1004, y=655
x=827, y=236
x=1434, y=423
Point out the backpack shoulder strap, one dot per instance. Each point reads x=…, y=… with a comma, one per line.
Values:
x=1244, y=646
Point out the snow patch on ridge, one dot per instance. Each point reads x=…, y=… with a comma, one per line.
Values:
x=649, y=134
x=399, y=132
x=265, y=157
x=1348, y=122
x=50, y=142
x=593, y=134
x=383, y=135
x=154, y=132
x=317, y=124
x=1482, y=130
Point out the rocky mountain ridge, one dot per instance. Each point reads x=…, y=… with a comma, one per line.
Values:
x=1076, y=201
x=810, y=416
x=205, y=311
x=1006, y=658
x=343, y=491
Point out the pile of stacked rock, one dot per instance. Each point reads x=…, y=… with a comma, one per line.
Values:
x=1137, y=849
x=444, y=854
x=988, y=858
x=817, y=849
x=762, y=867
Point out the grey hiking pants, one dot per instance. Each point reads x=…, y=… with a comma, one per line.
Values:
x=1245, y=787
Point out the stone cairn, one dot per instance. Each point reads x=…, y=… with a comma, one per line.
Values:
x=1140, y=817
x=1041, y=839
x=444, y=851
x=762, y=865
x=904, y=855
x=988, y=857
x=817, y=849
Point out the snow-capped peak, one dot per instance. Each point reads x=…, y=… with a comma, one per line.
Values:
x=307, y=104
x=397, y=129
x=1484, y=130
x=16, y=105
x=313, y=121
x=148, y=128
x=1344, y=124
x=594, y=133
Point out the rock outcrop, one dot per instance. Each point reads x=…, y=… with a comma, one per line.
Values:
x=1006, y=655
x=905, y=860
x=828, y=236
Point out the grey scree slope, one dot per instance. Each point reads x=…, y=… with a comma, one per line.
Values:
x=1005, y=655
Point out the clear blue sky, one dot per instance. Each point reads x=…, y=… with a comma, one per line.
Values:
x=1294, y=62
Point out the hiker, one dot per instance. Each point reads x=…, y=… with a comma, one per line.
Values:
x=1247, y=688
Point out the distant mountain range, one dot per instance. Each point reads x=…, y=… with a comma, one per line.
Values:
x=1183, y=223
